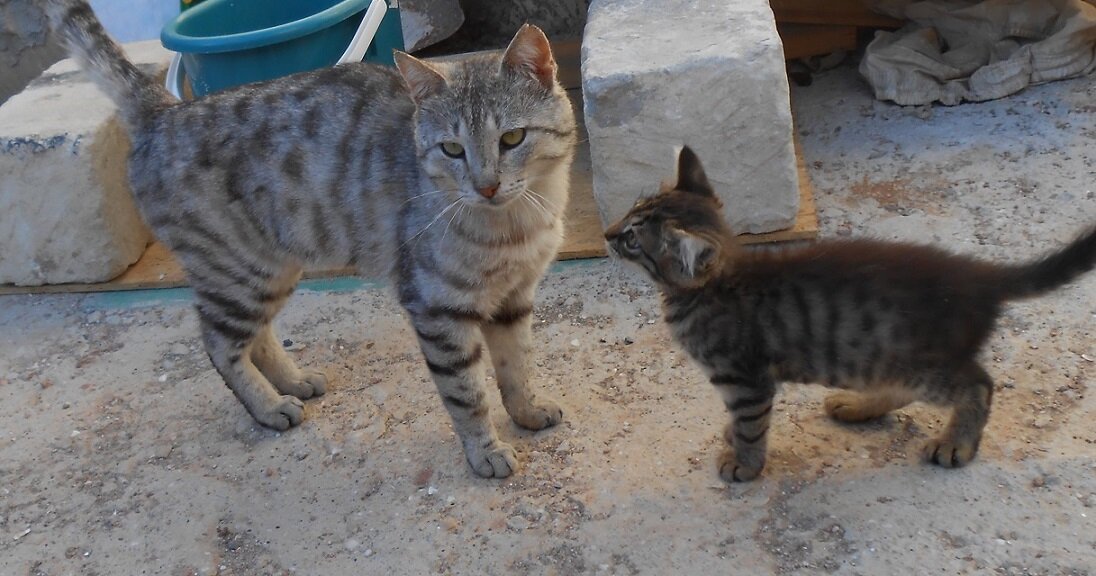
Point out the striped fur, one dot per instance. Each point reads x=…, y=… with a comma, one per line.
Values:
x=345, y=166
x=888, y=323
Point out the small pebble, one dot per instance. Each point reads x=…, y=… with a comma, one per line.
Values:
x=352, y=544
x=628, y=340
x=575, y=343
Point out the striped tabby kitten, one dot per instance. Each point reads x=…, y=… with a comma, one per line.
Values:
x=889, y=323
x=452, y=176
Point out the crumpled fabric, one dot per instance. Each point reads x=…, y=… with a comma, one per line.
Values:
x=953, y=51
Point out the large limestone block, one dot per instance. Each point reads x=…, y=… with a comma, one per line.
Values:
x=427, y=22
x=707, y=73
x=66, y=213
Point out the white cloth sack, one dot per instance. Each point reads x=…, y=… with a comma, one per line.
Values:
x=956, y=50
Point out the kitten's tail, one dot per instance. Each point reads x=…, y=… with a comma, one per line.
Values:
x=1051, y=271
x=135, y=93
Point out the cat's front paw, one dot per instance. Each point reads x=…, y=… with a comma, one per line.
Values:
x=731, y=470
x=312, y=383
x=538, y=415
x=950, y=453
x=497, y=460
x=282, y=414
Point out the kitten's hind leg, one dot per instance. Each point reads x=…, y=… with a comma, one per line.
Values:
x=750, y=400
x=848, y=406
x=970, y=392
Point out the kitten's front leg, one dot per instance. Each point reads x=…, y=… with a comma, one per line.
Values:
x=452, y=345
x=509, y=336
x=750, y=401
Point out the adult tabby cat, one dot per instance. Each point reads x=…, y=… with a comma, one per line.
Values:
x=890, y=323
x=452, y=176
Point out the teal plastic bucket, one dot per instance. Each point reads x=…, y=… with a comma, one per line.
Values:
x=225, y=43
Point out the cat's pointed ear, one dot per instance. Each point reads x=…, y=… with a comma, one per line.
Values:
x=530, y=54
x=695, y=253
x=423, y=80
x=690, y=174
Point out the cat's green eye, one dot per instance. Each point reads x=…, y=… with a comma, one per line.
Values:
x=452, y=149
x=512, y=138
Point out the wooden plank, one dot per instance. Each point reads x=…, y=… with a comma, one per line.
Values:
x=568, y=55
x=157, y=268
x=806, y=40
x=839, y=12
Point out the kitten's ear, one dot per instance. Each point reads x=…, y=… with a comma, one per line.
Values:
x=690, y=174
x=422, y=79
x=530, y=54
x=695, y=253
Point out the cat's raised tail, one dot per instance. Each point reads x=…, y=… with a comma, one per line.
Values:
x=135, y=93
x=1051, y=271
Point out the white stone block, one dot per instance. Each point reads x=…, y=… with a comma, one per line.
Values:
x=66, y=213
x=427, y=22
x=707, y=73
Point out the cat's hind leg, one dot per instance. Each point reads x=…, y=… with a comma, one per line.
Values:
x=228, y=341
x=851, y=407
x=970, y=392
x=233, y=293
x=271, y=358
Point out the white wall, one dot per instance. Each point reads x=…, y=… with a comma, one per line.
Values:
x=131, y=20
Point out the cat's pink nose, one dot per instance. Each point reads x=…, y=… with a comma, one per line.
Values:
x=489, y=191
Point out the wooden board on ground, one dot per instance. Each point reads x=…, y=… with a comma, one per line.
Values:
x=806, y=40
x=157, y=268
x=839, y=12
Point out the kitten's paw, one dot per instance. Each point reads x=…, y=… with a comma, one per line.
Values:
x=282, y=414
x=497, y=460
x=311, y=384
x=539, y=415
x=731, y=470
x=849, y=407
x=950, y=453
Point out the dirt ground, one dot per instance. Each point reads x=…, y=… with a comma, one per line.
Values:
x=121, y=452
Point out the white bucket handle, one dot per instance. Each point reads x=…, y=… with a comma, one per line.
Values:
x=363, y=37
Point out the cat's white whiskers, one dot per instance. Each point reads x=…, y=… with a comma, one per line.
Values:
x=537, y=206
x=436, y=218
x=551, y=204
x=456, y=215
x=431, y=193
